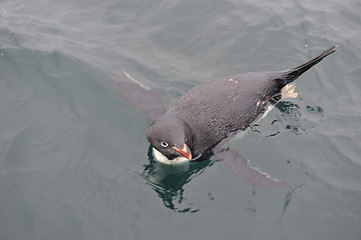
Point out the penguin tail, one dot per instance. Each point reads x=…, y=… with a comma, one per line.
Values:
x=292, y=74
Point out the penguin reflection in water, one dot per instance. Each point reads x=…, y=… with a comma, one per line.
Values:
x=200, y=122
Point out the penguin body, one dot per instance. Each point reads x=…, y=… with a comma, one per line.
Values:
x=219, y=109
x=195, y=127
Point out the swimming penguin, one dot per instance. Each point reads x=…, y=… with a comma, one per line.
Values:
x=201, y=121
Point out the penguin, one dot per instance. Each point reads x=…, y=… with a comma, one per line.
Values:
x=196, y=127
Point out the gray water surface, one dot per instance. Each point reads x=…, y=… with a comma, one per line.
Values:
x=74, y=160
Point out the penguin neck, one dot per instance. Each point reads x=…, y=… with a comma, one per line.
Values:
x=163, y=159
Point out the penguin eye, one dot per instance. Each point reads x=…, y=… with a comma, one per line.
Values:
x=164, y=144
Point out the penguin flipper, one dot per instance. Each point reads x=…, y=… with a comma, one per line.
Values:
x=240, y=166
x=138, y=95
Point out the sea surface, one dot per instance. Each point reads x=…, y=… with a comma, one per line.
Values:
x=74, y=160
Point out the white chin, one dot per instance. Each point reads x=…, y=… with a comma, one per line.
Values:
x=163, y=159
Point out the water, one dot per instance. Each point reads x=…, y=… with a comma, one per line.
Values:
x=74, y=160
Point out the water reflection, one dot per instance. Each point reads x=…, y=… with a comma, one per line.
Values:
x=291, y=113
x=288, y=108
x=168, y=181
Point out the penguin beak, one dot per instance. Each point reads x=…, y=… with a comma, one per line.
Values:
x=185, y=151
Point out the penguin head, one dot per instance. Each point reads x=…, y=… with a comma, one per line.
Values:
x=172, y=137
